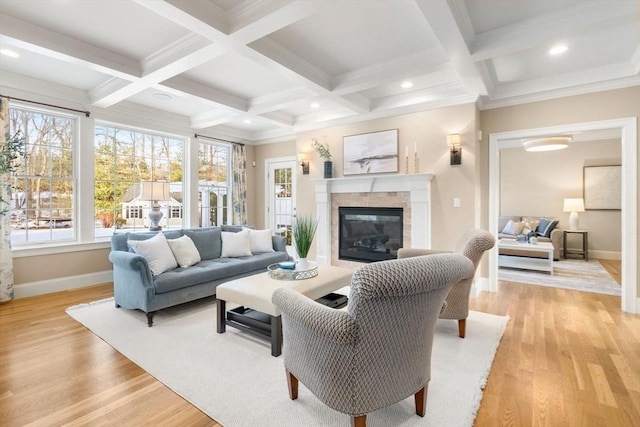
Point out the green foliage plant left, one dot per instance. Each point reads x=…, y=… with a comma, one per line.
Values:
x=304, y=229
x=10, y=151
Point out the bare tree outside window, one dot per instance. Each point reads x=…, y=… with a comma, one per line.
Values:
x=124, y=158
x=42, y=202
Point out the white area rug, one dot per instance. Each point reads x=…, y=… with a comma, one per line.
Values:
x=574, y=274
x=233, y=378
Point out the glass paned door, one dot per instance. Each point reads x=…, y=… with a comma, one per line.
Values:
x=281, y=190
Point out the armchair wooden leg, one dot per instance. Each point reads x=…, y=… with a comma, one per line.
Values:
x=421, y=400
x=359, y=421
x=462, y=326
x=292, y=383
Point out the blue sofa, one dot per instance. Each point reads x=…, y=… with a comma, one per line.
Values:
x=135, y=287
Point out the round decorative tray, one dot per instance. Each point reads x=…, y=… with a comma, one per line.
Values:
x=275, y=272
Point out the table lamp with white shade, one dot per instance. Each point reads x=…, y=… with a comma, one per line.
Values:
x=154, y=191
x=574, y=206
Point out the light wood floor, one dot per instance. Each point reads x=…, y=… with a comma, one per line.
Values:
x=567, y=359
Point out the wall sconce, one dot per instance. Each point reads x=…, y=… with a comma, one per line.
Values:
x=453, y=141
x=304, y=162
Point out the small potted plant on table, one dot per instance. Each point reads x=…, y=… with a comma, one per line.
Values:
x=304, y=229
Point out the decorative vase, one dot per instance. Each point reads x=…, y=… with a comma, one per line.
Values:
x=303, y=264
x=328, y=166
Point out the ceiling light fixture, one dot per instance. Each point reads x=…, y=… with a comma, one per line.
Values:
x=314, y=105
x=162, y=96
x=246, y=121
x=10, y=53
x=549, y=143
x=406, y=85
x=558, y=49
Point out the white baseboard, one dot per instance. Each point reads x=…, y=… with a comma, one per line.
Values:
x=42, y=287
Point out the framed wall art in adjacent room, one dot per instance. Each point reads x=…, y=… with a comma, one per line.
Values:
x=375, y=152
x=602, y=187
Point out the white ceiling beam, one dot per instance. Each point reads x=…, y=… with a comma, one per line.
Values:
x=546, y=29
x=276, y=117
x=250, y=21
x=443, y=24
x=207, y=93
x=67, y=49
x=212, y=118
x=279, y=100
x=389, y=72
x=163, y=72
x=447, y=90
x=264, y=52
x=566, y=81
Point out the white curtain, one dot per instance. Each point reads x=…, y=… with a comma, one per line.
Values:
x=6, y=260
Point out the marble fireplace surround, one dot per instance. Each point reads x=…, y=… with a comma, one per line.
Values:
x=412, y=190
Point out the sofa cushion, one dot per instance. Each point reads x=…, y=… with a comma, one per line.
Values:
x=215, y=269
x=185, y=251
x=236, y=244
x=503, y=220
x=157, y=253
x=545, y=227
x=513, y=228
x=207, y=241
x=261, y=241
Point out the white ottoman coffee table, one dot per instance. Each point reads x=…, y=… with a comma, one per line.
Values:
x=257, y=314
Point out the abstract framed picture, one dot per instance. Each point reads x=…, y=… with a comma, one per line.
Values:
x=602, y=187
x=368, y=153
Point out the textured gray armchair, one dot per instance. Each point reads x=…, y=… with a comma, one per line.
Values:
x=378, y=351
x=473, y=245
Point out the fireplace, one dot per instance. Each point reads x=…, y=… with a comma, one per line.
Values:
x=369, y=234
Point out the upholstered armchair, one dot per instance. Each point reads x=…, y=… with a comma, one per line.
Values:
x=378, y=351
x=473, y=245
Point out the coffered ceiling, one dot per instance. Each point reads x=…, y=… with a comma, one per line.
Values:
x=262, y=70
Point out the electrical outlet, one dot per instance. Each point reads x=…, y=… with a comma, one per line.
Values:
x=456, y=202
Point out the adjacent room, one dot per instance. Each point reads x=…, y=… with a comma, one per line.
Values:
x=319, y=212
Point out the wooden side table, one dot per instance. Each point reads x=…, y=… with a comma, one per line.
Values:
x=585, y=243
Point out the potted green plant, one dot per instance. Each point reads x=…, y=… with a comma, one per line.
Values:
x=325, y=153
x=304, y=229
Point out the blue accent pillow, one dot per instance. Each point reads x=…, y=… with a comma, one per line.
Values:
x=545, y=227
x=208, y=241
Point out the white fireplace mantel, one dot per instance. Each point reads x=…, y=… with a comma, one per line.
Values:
x=418, y=186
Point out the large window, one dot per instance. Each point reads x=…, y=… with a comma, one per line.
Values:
x=42, y=199
x=214, y=187
x=123, y=159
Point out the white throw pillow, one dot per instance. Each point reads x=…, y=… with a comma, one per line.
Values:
x=261, y=241
x=185, y=251
x=508, y=228
x=157, y=252
x=236, y=244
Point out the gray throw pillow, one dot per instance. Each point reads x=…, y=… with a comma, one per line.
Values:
x=208, y=241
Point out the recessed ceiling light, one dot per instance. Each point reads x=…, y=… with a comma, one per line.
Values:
x=406, y=85
x=10, y=53
x=246, y=121
x=558, y=49
x=314, y=105
x=162, y=96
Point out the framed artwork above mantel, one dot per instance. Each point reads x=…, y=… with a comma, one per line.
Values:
x=602, y=187
x=375, y=152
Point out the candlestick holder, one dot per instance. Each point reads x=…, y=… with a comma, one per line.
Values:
x=406, y=165
x=416, y=163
